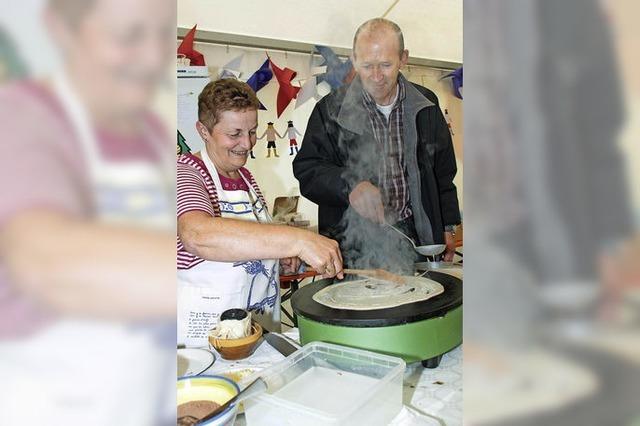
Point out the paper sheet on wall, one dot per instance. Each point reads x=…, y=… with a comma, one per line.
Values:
x=191, y=81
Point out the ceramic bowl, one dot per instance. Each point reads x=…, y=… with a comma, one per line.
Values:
x=233, y=349
x=210, y=388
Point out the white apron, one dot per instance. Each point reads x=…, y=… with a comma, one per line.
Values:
x=98, y=372
x=209, y=288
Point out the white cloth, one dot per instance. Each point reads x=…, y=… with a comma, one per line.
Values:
x=209, y=288
x=232, y=328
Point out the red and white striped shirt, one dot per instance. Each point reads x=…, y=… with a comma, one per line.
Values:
x=196, y=191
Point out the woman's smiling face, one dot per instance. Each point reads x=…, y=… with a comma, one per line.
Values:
x=232, y=137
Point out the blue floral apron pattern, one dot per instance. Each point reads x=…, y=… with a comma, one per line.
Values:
x=256, y=269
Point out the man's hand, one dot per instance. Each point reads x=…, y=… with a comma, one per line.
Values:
x=366, y=200
x=450, y=251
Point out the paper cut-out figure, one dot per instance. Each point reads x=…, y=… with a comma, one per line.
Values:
x=291, y=134
x=271, y=132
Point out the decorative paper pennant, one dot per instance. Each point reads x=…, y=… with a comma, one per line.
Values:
x=456, y=81
x=286, y=92
x=307, y=91
x=318, y=70
x=260, y=78
x=316, y=64
x=338, y=72
x=232, y=69
x=186, y=48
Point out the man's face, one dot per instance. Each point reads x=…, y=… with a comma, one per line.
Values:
x=377, y=61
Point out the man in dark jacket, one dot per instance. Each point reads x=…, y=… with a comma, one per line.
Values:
x=376, y=151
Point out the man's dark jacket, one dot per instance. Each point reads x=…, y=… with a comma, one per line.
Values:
x=339, y=151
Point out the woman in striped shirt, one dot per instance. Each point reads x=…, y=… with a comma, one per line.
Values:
x=228, y=251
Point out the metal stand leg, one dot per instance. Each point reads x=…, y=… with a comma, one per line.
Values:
x=432, y=362
x=295, y=285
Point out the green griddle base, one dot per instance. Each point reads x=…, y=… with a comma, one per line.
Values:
x=424, y=340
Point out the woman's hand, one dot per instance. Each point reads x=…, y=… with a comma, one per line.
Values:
x=290, y=265
x=322, y=253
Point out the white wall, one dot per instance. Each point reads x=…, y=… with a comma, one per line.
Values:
x=432, y=28
x=275, y=175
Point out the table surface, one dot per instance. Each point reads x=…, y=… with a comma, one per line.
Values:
x=430, y=396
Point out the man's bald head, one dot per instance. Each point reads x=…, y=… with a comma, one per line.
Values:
x=378, y=55
x=377, y=26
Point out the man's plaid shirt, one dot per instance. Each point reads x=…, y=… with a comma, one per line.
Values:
x=388, y=135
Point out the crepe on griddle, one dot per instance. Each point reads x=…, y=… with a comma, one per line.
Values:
x=371, y=293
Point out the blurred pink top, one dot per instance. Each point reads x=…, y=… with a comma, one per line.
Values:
x=43, y=167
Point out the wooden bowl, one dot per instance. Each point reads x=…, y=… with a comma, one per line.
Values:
x=233, y=349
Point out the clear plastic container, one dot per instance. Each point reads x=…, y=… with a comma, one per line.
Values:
x=328, y=384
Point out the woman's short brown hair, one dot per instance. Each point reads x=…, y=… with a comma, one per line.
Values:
x=226, y=94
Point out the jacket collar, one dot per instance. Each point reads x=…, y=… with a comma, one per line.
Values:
x=352, y=115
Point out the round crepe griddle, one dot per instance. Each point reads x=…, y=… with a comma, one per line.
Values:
x=303, y=304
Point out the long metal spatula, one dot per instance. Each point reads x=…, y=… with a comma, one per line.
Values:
x=379, y=274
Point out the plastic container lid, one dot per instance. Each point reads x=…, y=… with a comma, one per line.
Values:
x=328, y=384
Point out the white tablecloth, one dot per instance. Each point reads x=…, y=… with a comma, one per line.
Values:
x=430, y=396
